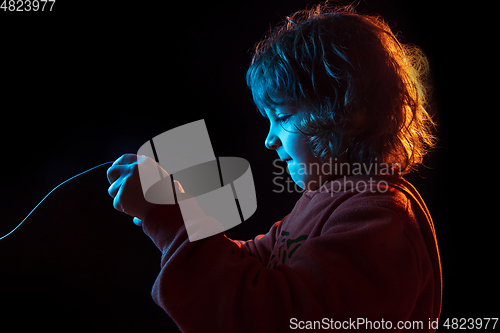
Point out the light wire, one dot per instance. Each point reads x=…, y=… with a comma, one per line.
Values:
x=55, y=188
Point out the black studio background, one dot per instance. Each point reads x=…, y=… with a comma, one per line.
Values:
x=88, y=82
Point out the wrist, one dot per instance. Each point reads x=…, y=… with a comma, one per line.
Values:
x=163, y=223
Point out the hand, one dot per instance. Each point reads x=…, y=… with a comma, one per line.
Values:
x=126, y=188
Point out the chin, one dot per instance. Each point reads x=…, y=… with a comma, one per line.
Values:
x=307, y=184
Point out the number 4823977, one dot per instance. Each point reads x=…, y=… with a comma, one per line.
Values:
x=470, y=323
x=27, y=5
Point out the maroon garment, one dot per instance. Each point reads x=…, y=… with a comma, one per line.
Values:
x=359, y=247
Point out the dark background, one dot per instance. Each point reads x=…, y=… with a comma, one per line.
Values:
x=88, y=82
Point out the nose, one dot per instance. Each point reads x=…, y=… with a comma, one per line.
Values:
x=272, y=141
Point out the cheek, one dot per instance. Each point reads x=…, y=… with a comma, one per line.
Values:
x=303, y=150
x=305, y=170
x=302, y=156
x=296, y=144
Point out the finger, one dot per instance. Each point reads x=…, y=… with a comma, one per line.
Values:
x=137, y=222
x=115, y=171
x=118, y=205
x=114, y=188
x=126, y=159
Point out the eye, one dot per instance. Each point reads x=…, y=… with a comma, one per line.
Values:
x=284, y=118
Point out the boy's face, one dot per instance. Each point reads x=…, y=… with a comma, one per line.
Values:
x=293, y=147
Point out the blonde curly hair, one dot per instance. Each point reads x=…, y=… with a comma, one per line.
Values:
x=364, y=91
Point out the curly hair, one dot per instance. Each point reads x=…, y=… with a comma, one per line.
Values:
x=364, y=91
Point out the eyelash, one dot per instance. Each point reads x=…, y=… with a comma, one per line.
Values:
x=284, y=119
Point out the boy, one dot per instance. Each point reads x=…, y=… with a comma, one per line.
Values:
x=345, y=101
